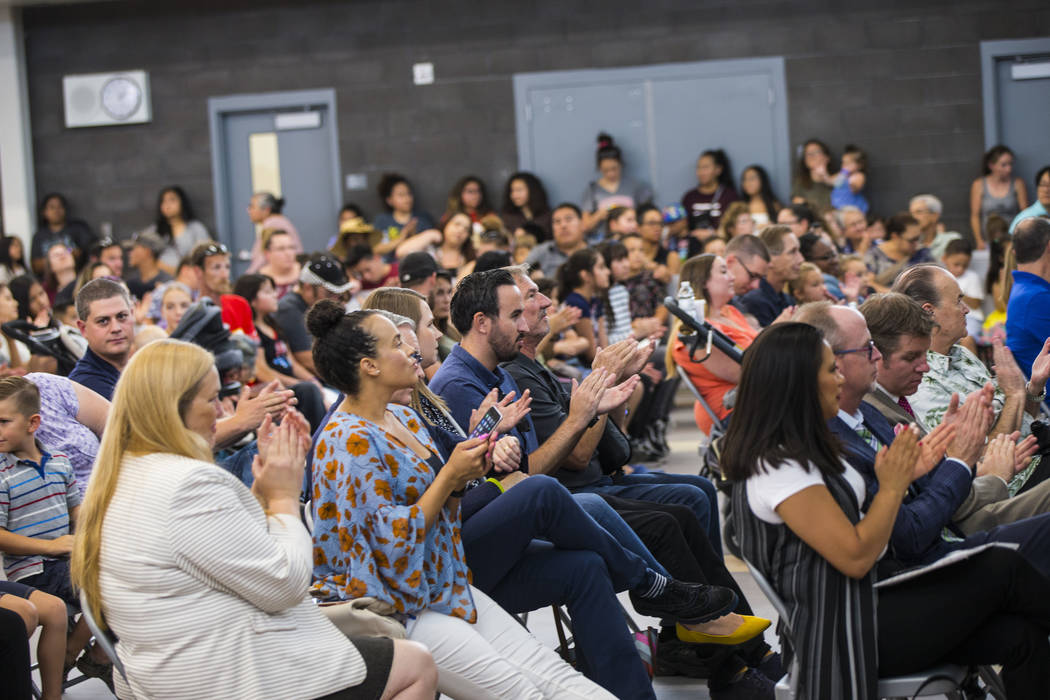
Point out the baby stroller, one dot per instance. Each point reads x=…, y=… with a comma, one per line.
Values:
x=202, y=325
x=63, y=343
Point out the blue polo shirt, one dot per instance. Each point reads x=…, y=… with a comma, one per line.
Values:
x=765, y=303
x=1027, y=318
x=463, y=383
x=35, y=501
x=96, y=374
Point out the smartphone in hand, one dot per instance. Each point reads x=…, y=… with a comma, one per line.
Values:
x=487, y=423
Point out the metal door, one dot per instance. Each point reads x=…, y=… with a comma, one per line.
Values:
x=662, y=116
x=1022, y=107
x=289, y=151
x=565, y=123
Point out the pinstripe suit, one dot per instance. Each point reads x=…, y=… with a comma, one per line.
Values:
x=208, y=595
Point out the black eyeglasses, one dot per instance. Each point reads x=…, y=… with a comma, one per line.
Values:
x=751, y=276
x=869, y=348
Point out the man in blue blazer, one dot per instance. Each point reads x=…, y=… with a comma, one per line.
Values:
x=923, y=531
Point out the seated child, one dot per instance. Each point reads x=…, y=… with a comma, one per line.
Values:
x=809, y=285
x=40, y=501
x=957, y=256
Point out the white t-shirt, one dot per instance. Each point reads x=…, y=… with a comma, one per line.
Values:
x=772, y=486
x=970, y=285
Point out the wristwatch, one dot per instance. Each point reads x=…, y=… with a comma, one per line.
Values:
x=1035, y=397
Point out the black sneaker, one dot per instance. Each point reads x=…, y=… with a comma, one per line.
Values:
x=688, y=603
x=752, y=685
x=675, y=658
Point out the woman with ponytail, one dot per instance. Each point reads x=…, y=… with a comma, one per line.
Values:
x=611, y=189
x=203, y=581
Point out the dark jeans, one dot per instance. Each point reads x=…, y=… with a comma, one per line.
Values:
x=55, y=580
x=695, y=492
x=240, y=463
x=14, y=656
x=1032, y=534
x=580, y=566
x=993, y=608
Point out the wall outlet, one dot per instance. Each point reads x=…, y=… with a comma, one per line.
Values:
x=423, y=73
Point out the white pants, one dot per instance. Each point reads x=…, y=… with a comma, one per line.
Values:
x=496, y=658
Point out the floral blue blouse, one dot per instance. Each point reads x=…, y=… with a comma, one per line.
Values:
x=370, y=538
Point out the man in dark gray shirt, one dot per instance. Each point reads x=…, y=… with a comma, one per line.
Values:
x=321, y=278
x=596, y=460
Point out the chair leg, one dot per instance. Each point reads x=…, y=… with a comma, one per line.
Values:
x=561, y=618
x=993, y=683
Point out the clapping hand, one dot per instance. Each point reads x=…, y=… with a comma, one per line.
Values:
x=895, y=465
x=278, y=468
x=587, y=395
x=932, y=447
x=616, y=396
x=1040, y=370
x=1011, y=379
x=563, y=319
x=512, y=411
x=1000, y=457
x=972, y=420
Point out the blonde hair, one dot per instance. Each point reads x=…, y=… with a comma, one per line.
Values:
x=729, y=218
x=405, y=302
x=143, y=420
x=795, y=286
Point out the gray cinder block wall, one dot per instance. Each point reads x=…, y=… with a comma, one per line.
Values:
x=901, y=78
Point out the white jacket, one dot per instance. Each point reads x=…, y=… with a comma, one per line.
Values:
x=207, y=595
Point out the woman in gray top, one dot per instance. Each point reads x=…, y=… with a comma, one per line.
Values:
x=997, y=191
x=178, y=226
x=611, y=189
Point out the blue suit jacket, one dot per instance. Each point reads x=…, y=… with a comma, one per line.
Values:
x=930, y=502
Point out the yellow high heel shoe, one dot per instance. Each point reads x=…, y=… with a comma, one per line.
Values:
x=750, y=628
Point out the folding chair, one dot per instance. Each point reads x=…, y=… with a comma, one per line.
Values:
x=944, y=679
x=105, y=640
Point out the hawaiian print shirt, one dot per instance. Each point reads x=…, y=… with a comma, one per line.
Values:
x=961, y=372
x=370, y=535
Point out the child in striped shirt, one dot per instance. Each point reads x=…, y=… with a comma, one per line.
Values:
x=39, y=503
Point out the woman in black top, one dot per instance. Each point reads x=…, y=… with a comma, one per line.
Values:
x=272, y=359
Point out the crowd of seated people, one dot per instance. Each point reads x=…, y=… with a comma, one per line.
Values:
x=917, y=357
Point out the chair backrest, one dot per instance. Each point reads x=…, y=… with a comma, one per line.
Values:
x=717, y=427
x=787, y=687
x=103, y=639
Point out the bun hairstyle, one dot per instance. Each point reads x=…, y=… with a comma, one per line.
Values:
x=268, y=201
x=607, y=149
x=340, y=343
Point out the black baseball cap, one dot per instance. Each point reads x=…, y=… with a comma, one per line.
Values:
x=415, y=267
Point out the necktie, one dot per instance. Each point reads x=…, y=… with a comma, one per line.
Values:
x=903, y=403
x=868, y=437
